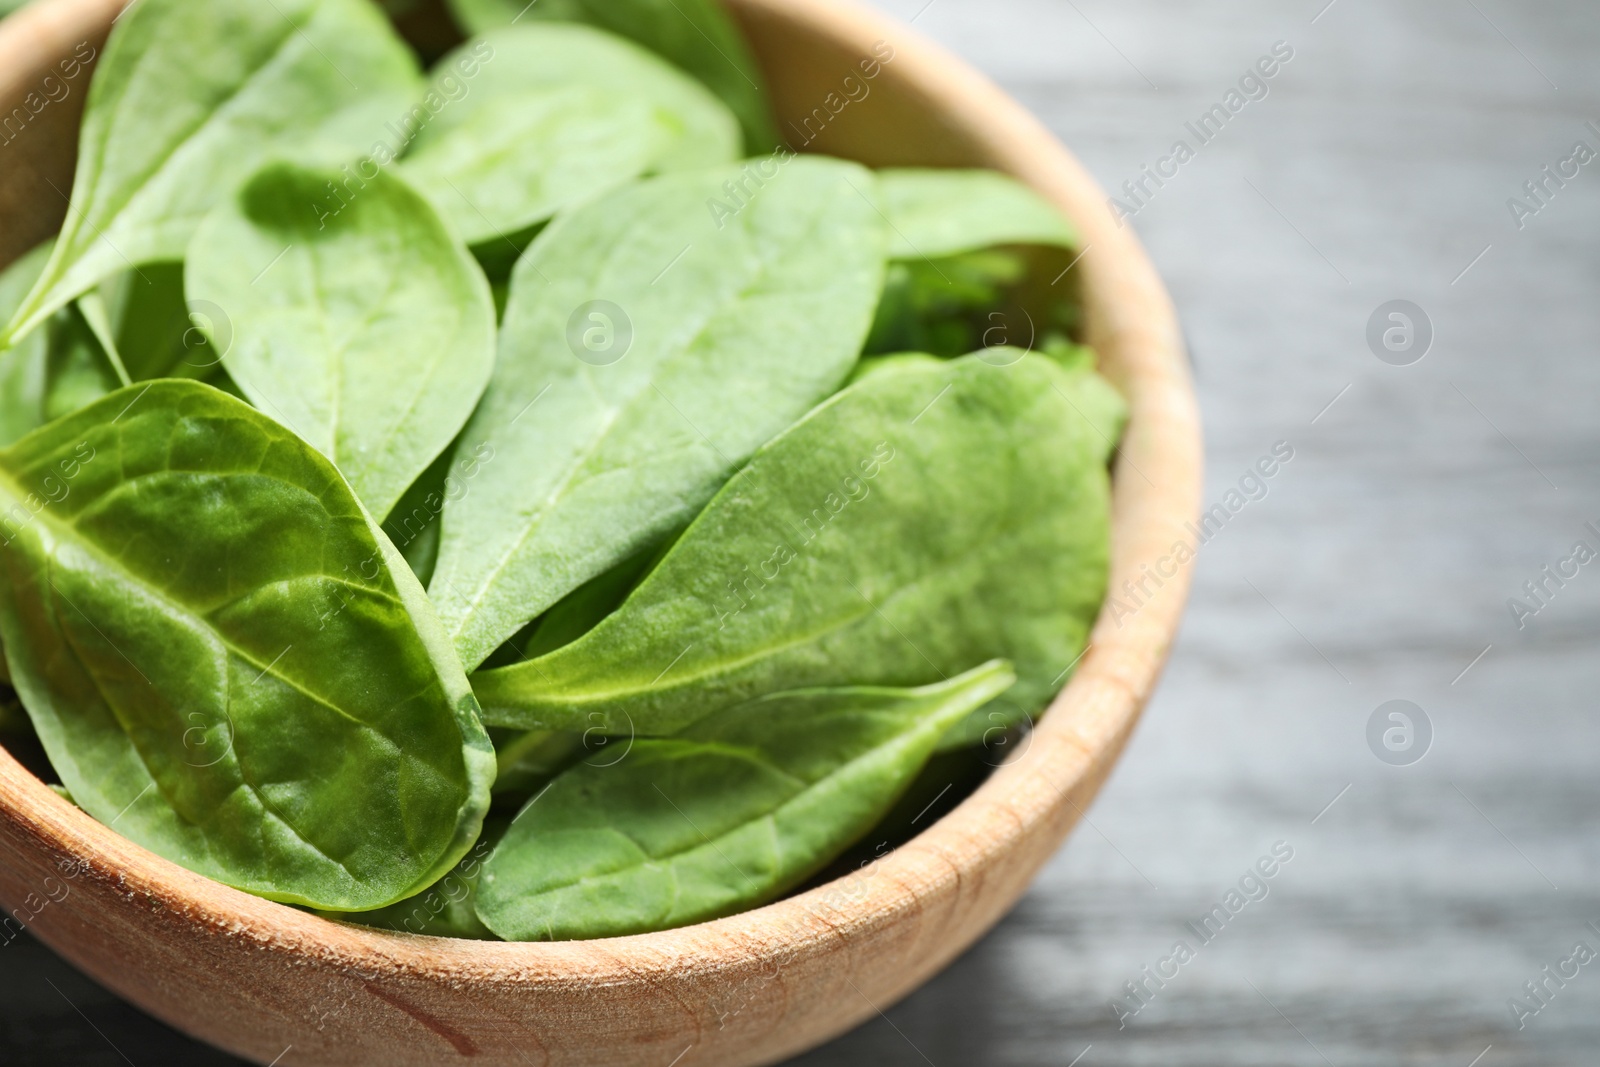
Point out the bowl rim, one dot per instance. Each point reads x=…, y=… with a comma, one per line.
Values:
x=1036, y=797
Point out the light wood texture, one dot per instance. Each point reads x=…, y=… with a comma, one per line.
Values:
x=266, y=981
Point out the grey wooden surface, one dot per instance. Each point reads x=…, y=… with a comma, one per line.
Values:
x=1377, y=567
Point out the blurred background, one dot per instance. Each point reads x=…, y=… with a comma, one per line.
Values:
x=1441, y=852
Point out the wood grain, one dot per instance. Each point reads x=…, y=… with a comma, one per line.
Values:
x=274, y=984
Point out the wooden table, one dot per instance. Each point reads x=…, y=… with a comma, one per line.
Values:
x=1420, y=898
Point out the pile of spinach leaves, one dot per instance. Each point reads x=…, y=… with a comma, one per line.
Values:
x=474, y=502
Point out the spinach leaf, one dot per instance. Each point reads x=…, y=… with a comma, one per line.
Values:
x=927, y=518
x=648, y=348
x=363, y=325
x=224, y=658
x=729, y=814
x=187, y=99
x=582, y=609
x=517, y=146
x=948, y=306
x=695, y=35
x=891, y=361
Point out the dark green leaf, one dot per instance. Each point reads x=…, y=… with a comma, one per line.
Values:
x=226, y=661
x=742, y=806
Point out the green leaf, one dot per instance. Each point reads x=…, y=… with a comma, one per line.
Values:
x=226, y=661
x=731, y=813
x=927, y=518
x=363, y=325
x=650, y=345
x=516, y=165
x=187, y=100
x=694, y=35
x=936, y=213
x=517, y=145
x=93, y=311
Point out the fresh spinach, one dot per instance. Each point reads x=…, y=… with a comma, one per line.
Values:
x=648, y=348
x=695, y=35
x=736, y=595
x=365, y=326
x=927, y=518
x=728, y=814
x=187, y=100
x=525, y=138
x=224, y=658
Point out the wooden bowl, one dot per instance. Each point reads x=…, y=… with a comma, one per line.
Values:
x=281, y=986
